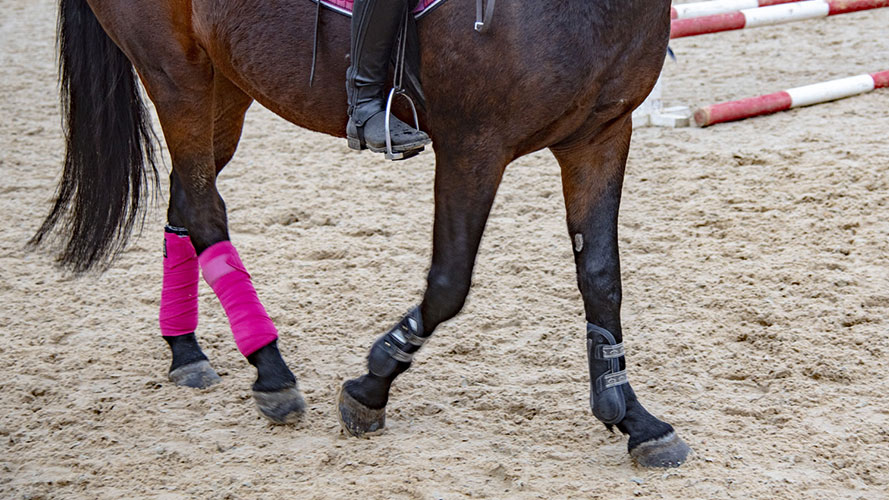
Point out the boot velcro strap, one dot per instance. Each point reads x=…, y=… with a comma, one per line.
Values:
x=609, y=380
x=406, y=335
x=604, y=351
x=396, y=352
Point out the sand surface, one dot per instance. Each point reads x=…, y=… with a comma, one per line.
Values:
x=755, y=262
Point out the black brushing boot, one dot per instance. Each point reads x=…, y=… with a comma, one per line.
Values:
x=375, y=26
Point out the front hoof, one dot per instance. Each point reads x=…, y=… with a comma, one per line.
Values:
x=667, y=451
x=284, y=406
x=198, y=375
x=357, y=419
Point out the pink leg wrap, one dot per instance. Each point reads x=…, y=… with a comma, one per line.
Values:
x=226, y=274
x=179, y=296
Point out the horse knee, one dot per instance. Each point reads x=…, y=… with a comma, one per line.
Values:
x=445, y=295
x=600, y=286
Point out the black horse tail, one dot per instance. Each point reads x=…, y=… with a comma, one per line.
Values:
x=110, y=154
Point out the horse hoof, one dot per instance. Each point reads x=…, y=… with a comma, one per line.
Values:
x=285, y=406
x=357, y=419
x=198, y=375
x=668, y=451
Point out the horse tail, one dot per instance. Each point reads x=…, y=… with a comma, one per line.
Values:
x=109, y=146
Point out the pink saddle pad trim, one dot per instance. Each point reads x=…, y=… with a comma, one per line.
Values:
x=345, y=6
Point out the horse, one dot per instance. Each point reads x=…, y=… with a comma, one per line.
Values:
x=560, y=75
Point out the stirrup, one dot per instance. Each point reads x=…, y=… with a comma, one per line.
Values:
x=403, y=155
x=398, y=89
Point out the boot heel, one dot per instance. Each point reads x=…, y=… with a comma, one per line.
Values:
x=356, y=144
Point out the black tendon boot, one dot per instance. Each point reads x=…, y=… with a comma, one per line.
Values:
x=375, y=26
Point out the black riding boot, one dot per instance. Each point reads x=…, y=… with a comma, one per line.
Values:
x=375, y=26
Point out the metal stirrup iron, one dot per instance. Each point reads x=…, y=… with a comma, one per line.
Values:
x=607, y=397
x=398, y=345
x=398, y=90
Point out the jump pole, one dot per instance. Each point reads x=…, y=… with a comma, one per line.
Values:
x=699, y=9
x=767, y=16
x=791, y=98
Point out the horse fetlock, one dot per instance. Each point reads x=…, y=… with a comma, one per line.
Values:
x=272, y=373
x=185, y=350
x=607, y=380
x=396, y=349
x=275, y=391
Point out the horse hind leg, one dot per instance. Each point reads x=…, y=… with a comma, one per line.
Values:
x=592, y=177
x=179, y=302
x=179, y=312
x=202, y=127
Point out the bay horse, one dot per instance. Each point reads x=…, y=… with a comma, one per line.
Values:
x=561, y=75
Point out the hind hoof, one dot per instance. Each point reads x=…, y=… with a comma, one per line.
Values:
x=285, y=406
x=359, y=420
x=668, y=451
x=198, y=375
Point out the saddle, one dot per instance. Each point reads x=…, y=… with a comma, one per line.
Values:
x=410, y=64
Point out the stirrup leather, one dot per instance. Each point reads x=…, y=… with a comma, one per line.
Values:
x=398, y=90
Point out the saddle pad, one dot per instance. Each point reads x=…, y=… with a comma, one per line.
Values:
x=345, y=6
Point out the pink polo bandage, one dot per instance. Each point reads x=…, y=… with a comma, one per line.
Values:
x=179, y=296
x=225, y=273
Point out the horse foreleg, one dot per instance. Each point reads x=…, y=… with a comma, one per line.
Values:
x=465, y=185
x=592, y=176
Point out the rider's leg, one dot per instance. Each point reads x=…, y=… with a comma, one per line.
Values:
x=375, y=26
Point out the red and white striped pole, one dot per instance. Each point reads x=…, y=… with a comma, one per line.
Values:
x=766, y=16
x=699, y=9
x=791, y=98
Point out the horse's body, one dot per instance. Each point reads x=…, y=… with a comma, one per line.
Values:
x=562, y=75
